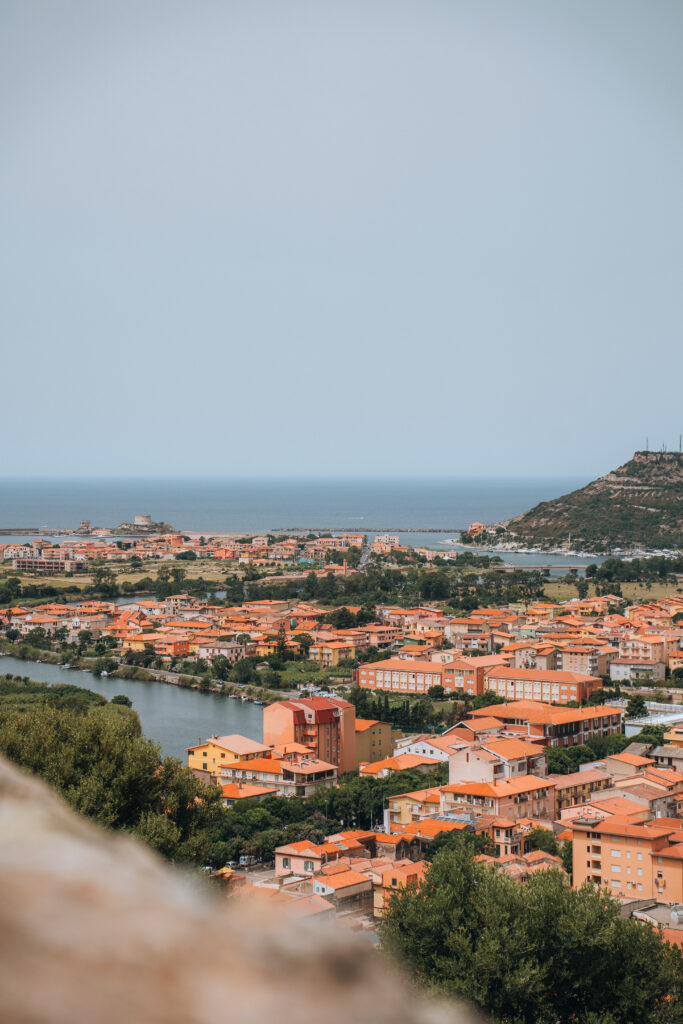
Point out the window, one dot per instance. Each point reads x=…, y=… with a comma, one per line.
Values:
x=616, y=868
x=285, y=862
x=308, y=865
x=204, y=765
x=616, y=853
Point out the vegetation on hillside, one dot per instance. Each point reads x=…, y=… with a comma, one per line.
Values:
x=638, y=504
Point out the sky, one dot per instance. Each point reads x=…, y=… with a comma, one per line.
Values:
x=438, y=237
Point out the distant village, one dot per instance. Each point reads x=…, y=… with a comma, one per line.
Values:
x=534, y=683
x=89, y=545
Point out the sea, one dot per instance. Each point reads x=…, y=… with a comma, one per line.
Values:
x=257, y=506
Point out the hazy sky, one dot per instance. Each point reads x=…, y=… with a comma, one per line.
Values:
x=432, y=237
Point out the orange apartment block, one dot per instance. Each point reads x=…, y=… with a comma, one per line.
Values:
x=552, y=726
x=324, y=724
x=401, y=676
x=635, y=860
x=542, y=684
x=523, y=797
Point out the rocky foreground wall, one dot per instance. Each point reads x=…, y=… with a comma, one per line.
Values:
x=94, y=929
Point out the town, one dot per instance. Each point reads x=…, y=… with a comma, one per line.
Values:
x=546, y=733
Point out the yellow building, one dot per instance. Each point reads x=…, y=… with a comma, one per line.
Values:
x=138, y=642
x=220, y=750
x=329, y=655
x=674, y=736
x=374, y=740
x=409, y=807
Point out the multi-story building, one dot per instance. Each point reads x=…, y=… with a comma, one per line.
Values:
x=553, y=726
x=221, y=750
x=406, y=807
x=502, y=757
x=522, y=797
x=374, y=740
x=586, y=659
x=578, y=787
x=632, y=670
x=324, y=724
x=463, y=675
x=541, y=684
x=292, y=775
x=635, y=860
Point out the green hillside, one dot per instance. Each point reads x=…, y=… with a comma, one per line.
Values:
x=638, y=505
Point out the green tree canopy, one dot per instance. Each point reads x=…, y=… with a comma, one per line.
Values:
x=539, y=953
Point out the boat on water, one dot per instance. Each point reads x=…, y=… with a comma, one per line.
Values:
x=258, y=702
x=65, y=666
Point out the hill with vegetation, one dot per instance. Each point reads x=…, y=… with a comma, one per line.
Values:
x=640, y=504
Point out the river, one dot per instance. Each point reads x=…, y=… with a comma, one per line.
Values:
x=175, y=716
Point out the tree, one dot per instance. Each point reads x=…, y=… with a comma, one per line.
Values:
x=221, y=667
x=540, y=953
x=281, y=646
x=104, y=581
x=84, y=639
x=636, y=707
x=450, y=840
x=108, y=771
x=121, y=698
x=243, y=671
x=540, y=838
x=305, y=642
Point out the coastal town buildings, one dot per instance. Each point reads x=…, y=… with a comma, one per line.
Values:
x=325, y=725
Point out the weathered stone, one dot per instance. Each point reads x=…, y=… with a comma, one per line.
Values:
x=94, y=929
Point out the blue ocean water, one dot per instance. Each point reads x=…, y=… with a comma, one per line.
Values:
x=256, y=506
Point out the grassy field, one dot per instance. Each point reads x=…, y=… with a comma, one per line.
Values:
x=561, y=591
x=210, y=569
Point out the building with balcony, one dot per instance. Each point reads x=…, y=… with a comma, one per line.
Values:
x=325, y=725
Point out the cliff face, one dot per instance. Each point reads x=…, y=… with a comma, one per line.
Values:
x=638, y=504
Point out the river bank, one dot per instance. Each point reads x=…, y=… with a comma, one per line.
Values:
x=175, y=716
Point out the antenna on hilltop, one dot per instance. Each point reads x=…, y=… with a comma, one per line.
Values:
x=680, y=438
x=647, y=444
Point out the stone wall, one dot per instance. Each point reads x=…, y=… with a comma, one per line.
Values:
x=94, y=928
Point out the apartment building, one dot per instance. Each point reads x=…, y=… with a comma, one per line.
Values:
x=578, y=787
x=292, y=775
x=374, y=739
x=397, y=675
x=407, y=807
x=514, y=798
x=499, y=758
x=554, y=726
x=221, y=750
x=325, y=725
x=541, y=684
x=639, y=861
x=632, y=670
x=586, y=659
